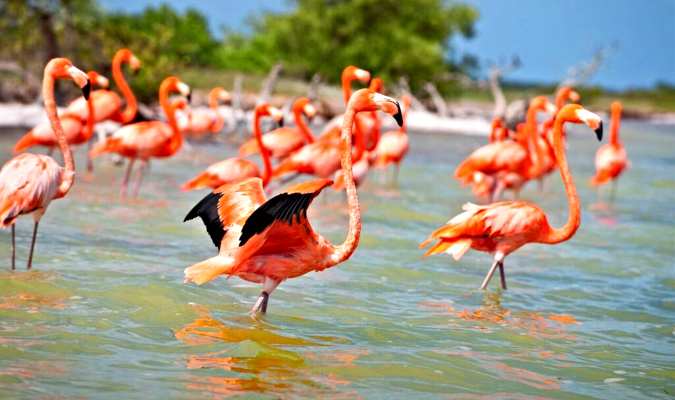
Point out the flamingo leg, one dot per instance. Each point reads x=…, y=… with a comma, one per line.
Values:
x=125, y=182
x=498, y=262
x=13, y=248
x=613, y=192
x=497, y=193
x=268, y=287
x=502, y=275
x=32, y=245
x=139, y=179
x=90, y=161
x=397, y=168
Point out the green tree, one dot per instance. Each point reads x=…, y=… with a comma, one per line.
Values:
x=389, y=37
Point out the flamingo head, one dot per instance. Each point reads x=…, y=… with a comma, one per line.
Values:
x=98, y=79
x=616, y=107
x=63, y=68
x=221, y=94
x=172, y=84
x=179, y=103
x=351, y=72
x=566, y=93
x=125, y=55
x=376, y=84
x=266, y=110
x=577, y=114
x=305, y=106
x=541, y=103
x=368, y=100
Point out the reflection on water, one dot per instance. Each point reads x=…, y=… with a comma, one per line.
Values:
x=105, y=313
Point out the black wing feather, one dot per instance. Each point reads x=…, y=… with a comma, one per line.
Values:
x=282, y=207
x=207, y=210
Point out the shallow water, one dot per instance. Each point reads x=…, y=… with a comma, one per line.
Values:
x=105, y=314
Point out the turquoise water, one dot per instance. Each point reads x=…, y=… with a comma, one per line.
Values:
x=104, y=313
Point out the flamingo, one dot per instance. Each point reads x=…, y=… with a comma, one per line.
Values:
x=148, y=139
x=236, y=169
x=76, y=131
x=107, y=104
x=209, y=120
x=267, y=241
x=508, y=157
x=284, y=140
x=393, y=145
x=611, y=159
x=503, y=227
x=29, y=182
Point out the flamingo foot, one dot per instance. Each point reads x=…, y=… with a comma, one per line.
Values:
x=32, y=246
x=491, y=272
x=261, y=304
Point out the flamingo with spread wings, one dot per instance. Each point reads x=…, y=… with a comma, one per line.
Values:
x=270, y=240
x=503, y=227
x=29, y=182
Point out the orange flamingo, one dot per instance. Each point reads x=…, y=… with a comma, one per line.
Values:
x=29, y=182
x=393, y=145
x=209, y=121
x=284, y=140
x=76, y=131
x=236, y=169
x=107, y=104
x=504, y=227
x=148, y=139
x=270, y=240
x=611, y=159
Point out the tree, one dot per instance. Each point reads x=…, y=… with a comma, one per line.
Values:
x=389, y=37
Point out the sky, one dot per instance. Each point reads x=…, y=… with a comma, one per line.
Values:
x=549, y=36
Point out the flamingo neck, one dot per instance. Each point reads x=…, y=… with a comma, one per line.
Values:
x=557, y=235
x=360, y=138
x=131, y=106
x=614, y=129
x=536, y=152
x=68, y=176
x=264, y=151
x=213, y=99
x=347, y=87
x=302, y=126
x=170, y=112
x=344, y=250
x=219, y=121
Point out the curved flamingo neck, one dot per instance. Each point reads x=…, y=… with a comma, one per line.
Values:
x=213, y=99
x=360, y=138
x=344, y=250
x=557, y=235
x=536, y=152
x=614, y=129
x=170, y=112
x=68, y=177
x=131, y=107
x=347, y=87
x=264, y=151
x=302, y=126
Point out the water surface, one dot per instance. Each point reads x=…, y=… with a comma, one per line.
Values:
x=105, y=314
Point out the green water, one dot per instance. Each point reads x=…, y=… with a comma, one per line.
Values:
x=105, y=314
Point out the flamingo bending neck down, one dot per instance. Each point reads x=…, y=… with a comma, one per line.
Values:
x=503, y=227
x=270, y=240
x=148, y=139
x=611, y=158
x=209, y=120
x=284, y=140
x=29, y=182
x=236, y=169
x=108, y=104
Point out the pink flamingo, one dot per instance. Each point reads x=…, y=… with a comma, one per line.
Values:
x=270, y=240
x=503, y=227
x=611, y=159
x=29, y=182
x=393, y=145
x=209, y=120
x=237, y=169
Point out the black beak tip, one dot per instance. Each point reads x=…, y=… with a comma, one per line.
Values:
x=399, y=116
x=281, y=122
x=598, y=131
x=86, y=90
x=189, y=97
x=135, y=71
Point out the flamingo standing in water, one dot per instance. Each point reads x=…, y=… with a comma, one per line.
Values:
x=284, y=140
x=611, y=159
x=148, y=139
x=236, y=169
x=270, y=240
x=393, y=145
x=29, y=182
x=201, y=122
x=76, y=130
x=503, y=227
x=108, y=104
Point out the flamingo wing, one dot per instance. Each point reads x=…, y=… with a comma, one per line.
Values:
x=28, y=182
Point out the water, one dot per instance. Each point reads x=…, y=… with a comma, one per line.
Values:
x=105, y=313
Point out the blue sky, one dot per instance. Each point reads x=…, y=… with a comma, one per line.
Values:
x=548, y=35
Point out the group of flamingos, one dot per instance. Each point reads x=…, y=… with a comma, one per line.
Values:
x=268, y=240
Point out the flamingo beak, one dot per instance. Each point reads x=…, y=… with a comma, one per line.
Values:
x=390, y=106
x=81, y=79
x=310, y=111
x=86, y=90
x=362, y=75
x=399, y=115
x=184, y=90
x=598, y=131
x=102, y=81
x=135, y=64
x=277, y=115
x=592, y=120
x=574, y=96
